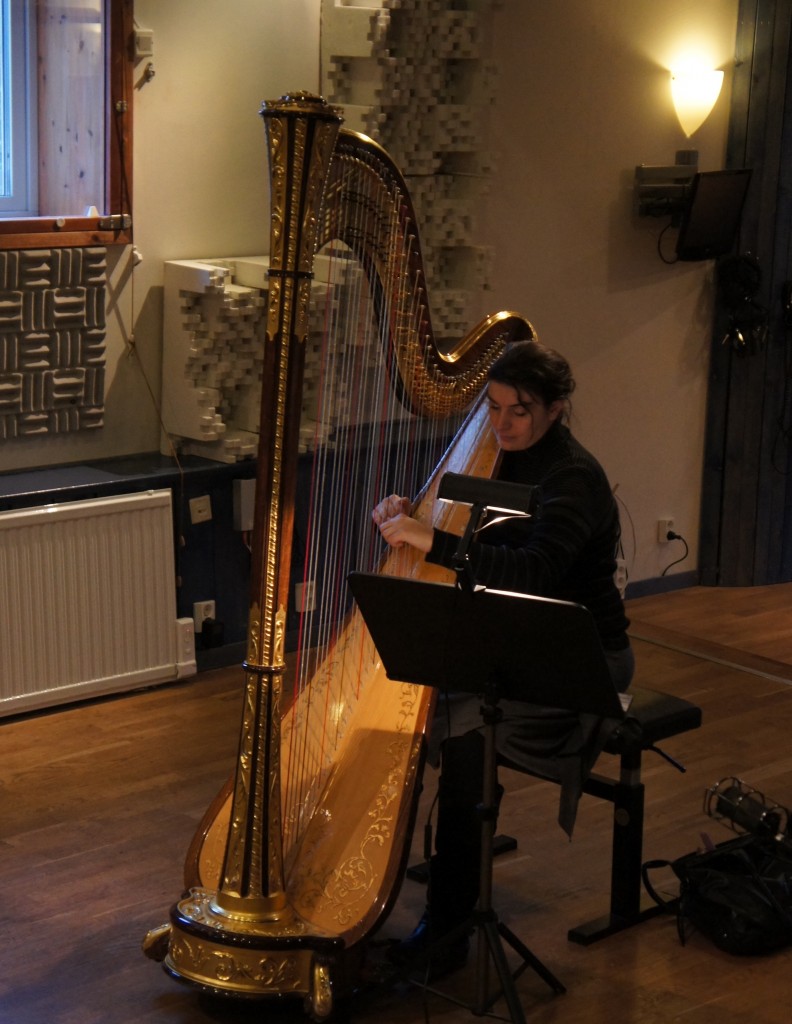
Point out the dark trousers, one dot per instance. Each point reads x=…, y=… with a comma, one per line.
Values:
x=455, y=865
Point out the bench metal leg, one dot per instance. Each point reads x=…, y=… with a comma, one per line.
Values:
x=628, y=906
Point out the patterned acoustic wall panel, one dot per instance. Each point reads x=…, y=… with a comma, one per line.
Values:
x=52, y=341
x=417, y=76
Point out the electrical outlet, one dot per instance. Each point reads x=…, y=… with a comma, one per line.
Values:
x=200, y=509
x=664, y=527
x=144, y=43
x=620, y=576
x=185, y=648
x=202, y=610
x=305, y=596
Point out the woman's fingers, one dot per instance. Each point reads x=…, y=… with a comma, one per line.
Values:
x=389, y=507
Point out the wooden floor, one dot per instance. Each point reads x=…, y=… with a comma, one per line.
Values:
x=98, y=804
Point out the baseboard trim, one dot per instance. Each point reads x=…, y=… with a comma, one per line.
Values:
x=661, y=585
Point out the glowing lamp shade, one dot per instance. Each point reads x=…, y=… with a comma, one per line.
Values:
x=695, y=93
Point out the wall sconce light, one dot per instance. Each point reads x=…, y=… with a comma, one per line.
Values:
x=694, y=92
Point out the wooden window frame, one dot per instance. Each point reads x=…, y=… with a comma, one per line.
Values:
x=113, y=226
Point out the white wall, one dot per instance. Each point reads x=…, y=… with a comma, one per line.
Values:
x=582, y=98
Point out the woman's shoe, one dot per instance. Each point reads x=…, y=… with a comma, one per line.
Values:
x=432, y=950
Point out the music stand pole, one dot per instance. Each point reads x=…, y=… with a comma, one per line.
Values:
x=489, y=929
x=485, y=920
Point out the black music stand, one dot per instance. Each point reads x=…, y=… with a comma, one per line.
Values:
x=500, y=646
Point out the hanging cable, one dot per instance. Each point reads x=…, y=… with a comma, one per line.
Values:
x=676, y=536
x=132, y=353
x=660, y=237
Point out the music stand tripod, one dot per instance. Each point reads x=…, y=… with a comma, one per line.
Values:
x=431, y=634
x=434, y=617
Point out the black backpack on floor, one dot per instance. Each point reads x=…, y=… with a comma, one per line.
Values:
x=738, y=894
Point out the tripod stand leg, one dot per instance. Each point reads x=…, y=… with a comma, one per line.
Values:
x=490, y=930
x=530, y=960
x=490, y=945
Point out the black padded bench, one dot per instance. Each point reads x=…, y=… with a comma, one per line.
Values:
x=652, y=717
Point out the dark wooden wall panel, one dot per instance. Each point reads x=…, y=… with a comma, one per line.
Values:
x=746, y=489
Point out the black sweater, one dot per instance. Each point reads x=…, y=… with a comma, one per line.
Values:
x=567, y=551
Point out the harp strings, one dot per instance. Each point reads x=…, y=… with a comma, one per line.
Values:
x=365, y=445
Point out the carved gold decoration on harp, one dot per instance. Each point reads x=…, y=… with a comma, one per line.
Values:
x=299, y=858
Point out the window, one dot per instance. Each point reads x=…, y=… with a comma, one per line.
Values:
x=66, y=133
x=17, y=89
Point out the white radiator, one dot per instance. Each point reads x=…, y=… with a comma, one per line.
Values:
x=88, y=601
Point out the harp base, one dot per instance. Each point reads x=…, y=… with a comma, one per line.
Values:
x=247, y=960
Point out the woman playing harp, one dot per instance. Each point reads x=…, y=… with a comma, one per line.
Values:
x=567, y=553
x=299, y=858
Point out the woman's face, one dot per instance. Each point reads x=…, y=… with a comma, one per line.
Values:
x=519, y=419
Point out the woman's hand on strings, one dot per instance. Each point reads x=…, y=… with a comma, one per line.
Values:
x=389, y=507
x=398, y=527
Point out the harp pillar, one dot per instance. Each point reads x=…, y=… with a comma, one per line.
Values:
x=243, y=938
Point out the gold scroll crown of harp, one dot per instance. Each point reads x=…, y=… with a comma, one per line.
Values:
x=299, y=858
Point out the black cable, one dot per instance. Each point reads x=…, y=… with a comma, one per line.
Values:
x=660, y=245
x=676, y=536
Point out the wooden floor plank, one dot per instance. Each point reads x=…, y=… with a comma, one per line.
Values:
x=749, y=620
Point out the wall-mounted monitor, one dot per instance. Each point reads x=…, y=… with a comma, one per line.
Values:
x=712, y=215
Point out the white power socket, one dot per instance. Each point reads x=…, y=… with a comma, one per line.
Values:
x=620, y=576
x=185, y=648
x=200, y=509
x=305, y=596
x=664, y=527
x=144, y=43
x=202, y=610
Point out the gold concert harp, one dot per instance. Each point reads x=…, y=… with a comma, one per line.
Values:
x=278, y=902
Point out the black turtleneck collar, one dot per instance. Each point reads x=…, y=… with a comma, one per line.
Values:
x=523, y=466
